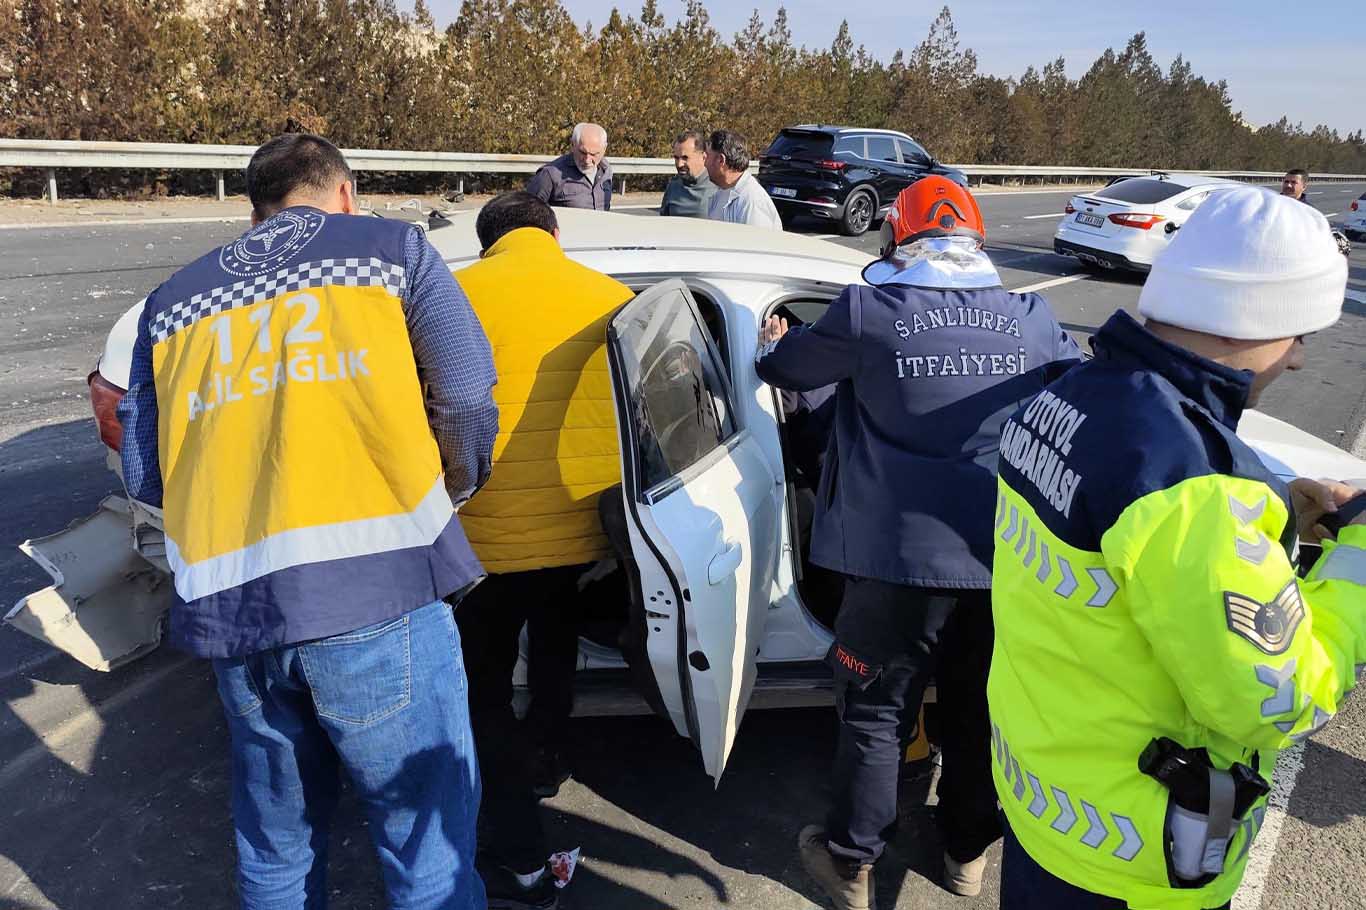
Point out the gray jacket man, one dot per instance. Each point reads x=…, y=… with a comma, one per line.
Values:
x=581, y=179
x=689, y=194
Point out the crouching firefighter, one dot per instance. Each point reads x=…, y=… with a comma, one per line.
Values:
x=1154, y=646
x=929, y=360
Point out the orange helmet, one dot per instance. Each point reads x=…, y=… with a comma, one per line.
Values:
x=933, y=206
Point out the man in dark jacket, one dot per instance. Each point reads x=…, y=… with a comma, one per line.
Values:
x=929, y=362
x=581, y=179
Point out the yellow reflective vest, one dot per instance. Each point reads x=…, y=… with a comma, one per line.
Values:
x=1142, y=588
x=556, y=451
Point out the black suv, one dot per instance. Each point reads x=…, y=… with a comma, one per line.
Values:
x=844, y=174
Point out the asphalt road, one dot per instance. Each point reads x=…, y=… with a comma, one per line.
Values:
x=113, y=787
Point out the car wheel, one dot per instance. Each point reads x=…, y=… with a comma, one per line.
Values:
x=859, y=210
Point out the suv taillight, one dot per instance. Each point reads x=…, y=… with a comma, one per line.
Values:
x=104, y=401
x=1354, y=205
x=1135, y=220
x=829, y=165
x=1069, y=209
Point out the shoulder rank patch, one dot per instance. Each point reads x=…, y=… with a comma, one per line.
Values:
x=1269, y=626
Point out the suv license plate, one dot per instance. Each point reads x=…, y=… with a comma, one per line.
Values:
x=1088, y=219
x=783, y=191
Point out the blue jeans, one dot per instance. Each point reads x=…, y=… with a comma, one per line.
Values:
x=387, y=703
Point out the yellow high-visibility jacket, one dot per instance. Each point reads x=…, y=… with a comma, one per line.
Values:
x=1142, y=588
x=556, y=451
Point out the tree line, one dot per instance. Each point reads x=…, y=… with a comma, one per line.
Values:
x=515, y=75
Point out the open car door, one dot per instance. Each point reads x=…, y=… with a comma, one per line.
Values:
x=702, y=509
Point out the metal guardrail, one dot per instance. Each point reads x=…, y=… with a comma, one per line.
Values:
x=55, y=154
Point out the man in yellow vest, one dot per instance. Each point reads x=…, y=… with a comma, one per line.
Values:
x=1155, y=648
x=535, y=524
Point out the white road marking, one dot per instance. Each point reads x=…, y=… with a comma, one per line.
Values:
x=1359, y=444
x=1288, y=768
x=1315, y=193
x=1049, y=215
x=1052, y=283
x=1331, y=214
x=122, y=222
x=1069, y=190
x=823, y=236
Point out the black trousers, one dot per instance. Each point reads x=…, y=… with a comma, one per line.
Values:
x=889, y=640
x=490, y=619
x=1025, y=885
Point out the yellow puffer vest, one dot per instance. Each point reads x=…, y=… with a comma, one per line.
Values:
x=546, y=319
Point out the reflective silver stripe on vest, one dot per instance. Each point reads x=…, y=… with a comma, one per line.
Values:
x=1000, y=511
x=1244, y=513
x=1343, y=564
x=1069, y=581
x=1097, y=831
x=1321, y=718
x=1014, y=525
x=1067, y=816
x=1105, y=587
x=1024, y=535
x=1251, y=826
x=1045, y=566
x=1255, y=551
x=1031, y=550
x=1282, y=682
x=1040, y=802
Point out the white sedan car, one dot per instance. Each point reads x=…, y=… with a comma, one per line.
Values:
x=719, y=614
x=1126, y=224
x=1354, y=220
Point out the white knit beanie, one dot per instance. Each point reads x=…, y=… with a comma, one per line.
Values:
x=1249, y=264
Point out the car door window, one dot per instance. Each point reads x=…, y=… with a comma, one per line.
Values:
x=882, y=148
x=680, y=402
x=850, y=145
x=912, y=153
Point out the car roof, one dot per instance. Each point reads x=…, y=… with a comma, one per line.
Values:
x=842, y=130
x=1186, y=180
x=582, y=230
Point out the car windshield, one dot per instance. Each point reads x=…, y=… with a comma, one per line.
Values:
x=1143, y=190
x=800, y=144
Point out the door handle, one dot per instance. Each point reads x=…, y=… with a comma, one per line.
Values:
x=875, y=172
x=724, y=564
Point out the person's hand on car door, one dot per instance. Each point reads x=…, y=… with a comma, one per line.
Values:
x=771, y=330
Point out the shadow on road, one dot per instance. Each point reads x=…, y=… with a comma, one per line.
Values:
x=776, y=781
x=1335, y=793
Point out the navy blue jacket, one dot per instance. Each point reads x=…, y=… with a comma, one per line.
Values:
x=1151, y=415
x=926, y=377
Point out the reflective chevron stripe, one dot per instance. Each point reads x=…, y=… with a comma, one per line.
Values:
x=1282, y=682
x=1105, y=587
x=1069, y=581
x=1045, y=566
x=1040, y=802
x=1097, y=832
x=1345, y=563
x=1014, y=525
x=1067, y=816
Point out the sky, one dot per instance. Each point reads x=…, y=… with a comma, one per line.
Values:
x=1309, y=70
